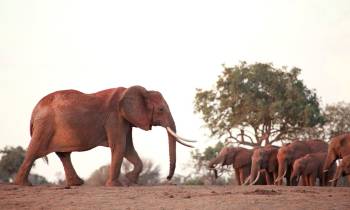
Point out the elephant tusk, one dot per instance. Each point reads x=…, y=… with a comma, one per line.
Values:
x=284, y=174
x=256, y=179
x=325, y=171
x=187, y=145
x=333, y=180
x=247, y=180
x=281, y=177
x=278, y=179
x=177, y=136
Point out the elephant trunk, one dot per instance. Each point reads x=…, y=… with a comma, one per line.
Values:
x=337, y=175
x=255, y=169
x=256, y=179
x=295, y=174
x=331, y=157
x=219, y=159
x=282, y=171
x=172, y=149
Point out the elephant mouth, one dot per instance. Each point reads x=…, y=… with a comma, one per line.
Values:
x=156, y=123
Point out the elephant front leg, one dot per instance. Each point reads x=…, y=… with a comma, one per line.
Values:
x=237, y=174
x=132, y=156
x=117, y=143
x=114, y=170
x=268, y=178
x=304, y=180
x=312, y=180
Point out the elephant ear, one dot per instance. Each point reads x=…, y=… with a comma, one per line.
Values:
x=135, y=106
x=242, y=158
x=230, y=155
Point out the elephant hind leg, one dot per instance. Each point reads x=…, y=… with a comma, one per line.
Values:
x=312, y=180
x=38, y=147
x=132, y=156
x=35, y=150
x=23, y=172
x=72, y=178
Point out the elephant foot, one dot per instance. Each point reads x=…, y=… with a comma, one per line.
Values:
x=112, y=183
x=77, y=181
x=132, y=178
x=23, y=183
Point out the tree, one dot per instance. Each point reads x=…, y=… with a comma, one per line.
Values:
x=201, y=174
x=337, y=121
x=149, y=175
x=201, y=160
x=258, y=104
x=11, y=160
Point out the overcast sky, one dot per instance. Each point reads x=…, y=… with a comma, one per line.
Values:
x=173, y=47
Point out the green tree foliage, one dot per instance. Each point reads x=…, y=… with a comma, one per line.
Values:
x=150, y=174
x=11, y=160
x=201, y=159
x=36, y=179
x=200, y=174
x=257, y=103
x=337, y=121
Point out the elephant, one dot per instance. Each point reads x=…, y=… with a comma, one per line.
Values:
x=288, y=153
x=69, y=120
x=264, y=159
x=310, y=167
x=343, y=169
x=239, y=157
x=339, y=147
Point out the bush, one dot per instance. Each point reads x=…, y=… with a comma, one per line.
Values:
x=149, y=175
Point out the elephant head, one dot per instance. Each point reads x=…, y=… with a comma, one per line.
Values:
x=284, y=157
x=236, y=156
x=262, y=159
x=144, y=109
x=339, y=147
x=225, y=157
x=288, y=153
x=343, y=169
x=299, y=167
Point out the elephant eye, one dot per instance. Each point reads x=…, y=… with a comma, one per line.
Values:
x=161, y=109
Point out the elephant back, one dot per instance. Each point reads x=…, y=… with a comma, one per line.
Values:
x=243, y=158
x=317, y=145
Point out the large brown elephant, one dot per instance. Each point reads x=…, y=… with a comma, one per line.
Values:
x=342, y=170
x=69, y=120
x=264, y=160
x=238, y=157
x=310, y=168
x=339, y=147
x=288, y=153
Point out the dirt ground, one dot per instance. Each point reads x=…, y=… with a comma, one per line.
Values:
x=174, y=197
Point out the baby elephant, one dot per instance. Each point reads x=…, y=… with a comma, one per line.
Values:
x=342, y=170
x=310, y=167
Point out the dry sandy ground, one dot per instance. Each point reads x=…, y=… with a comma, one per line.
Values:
x=174, y=197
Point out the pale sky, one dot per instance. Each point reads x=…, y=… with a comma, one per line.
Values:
x=170, y=46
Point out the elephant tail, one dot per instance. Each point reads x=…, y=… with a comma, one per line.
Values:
x=31, y=127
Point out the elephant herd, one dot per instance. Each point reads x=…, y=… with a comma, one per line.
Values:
x=300, y=162
x=68, y=120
